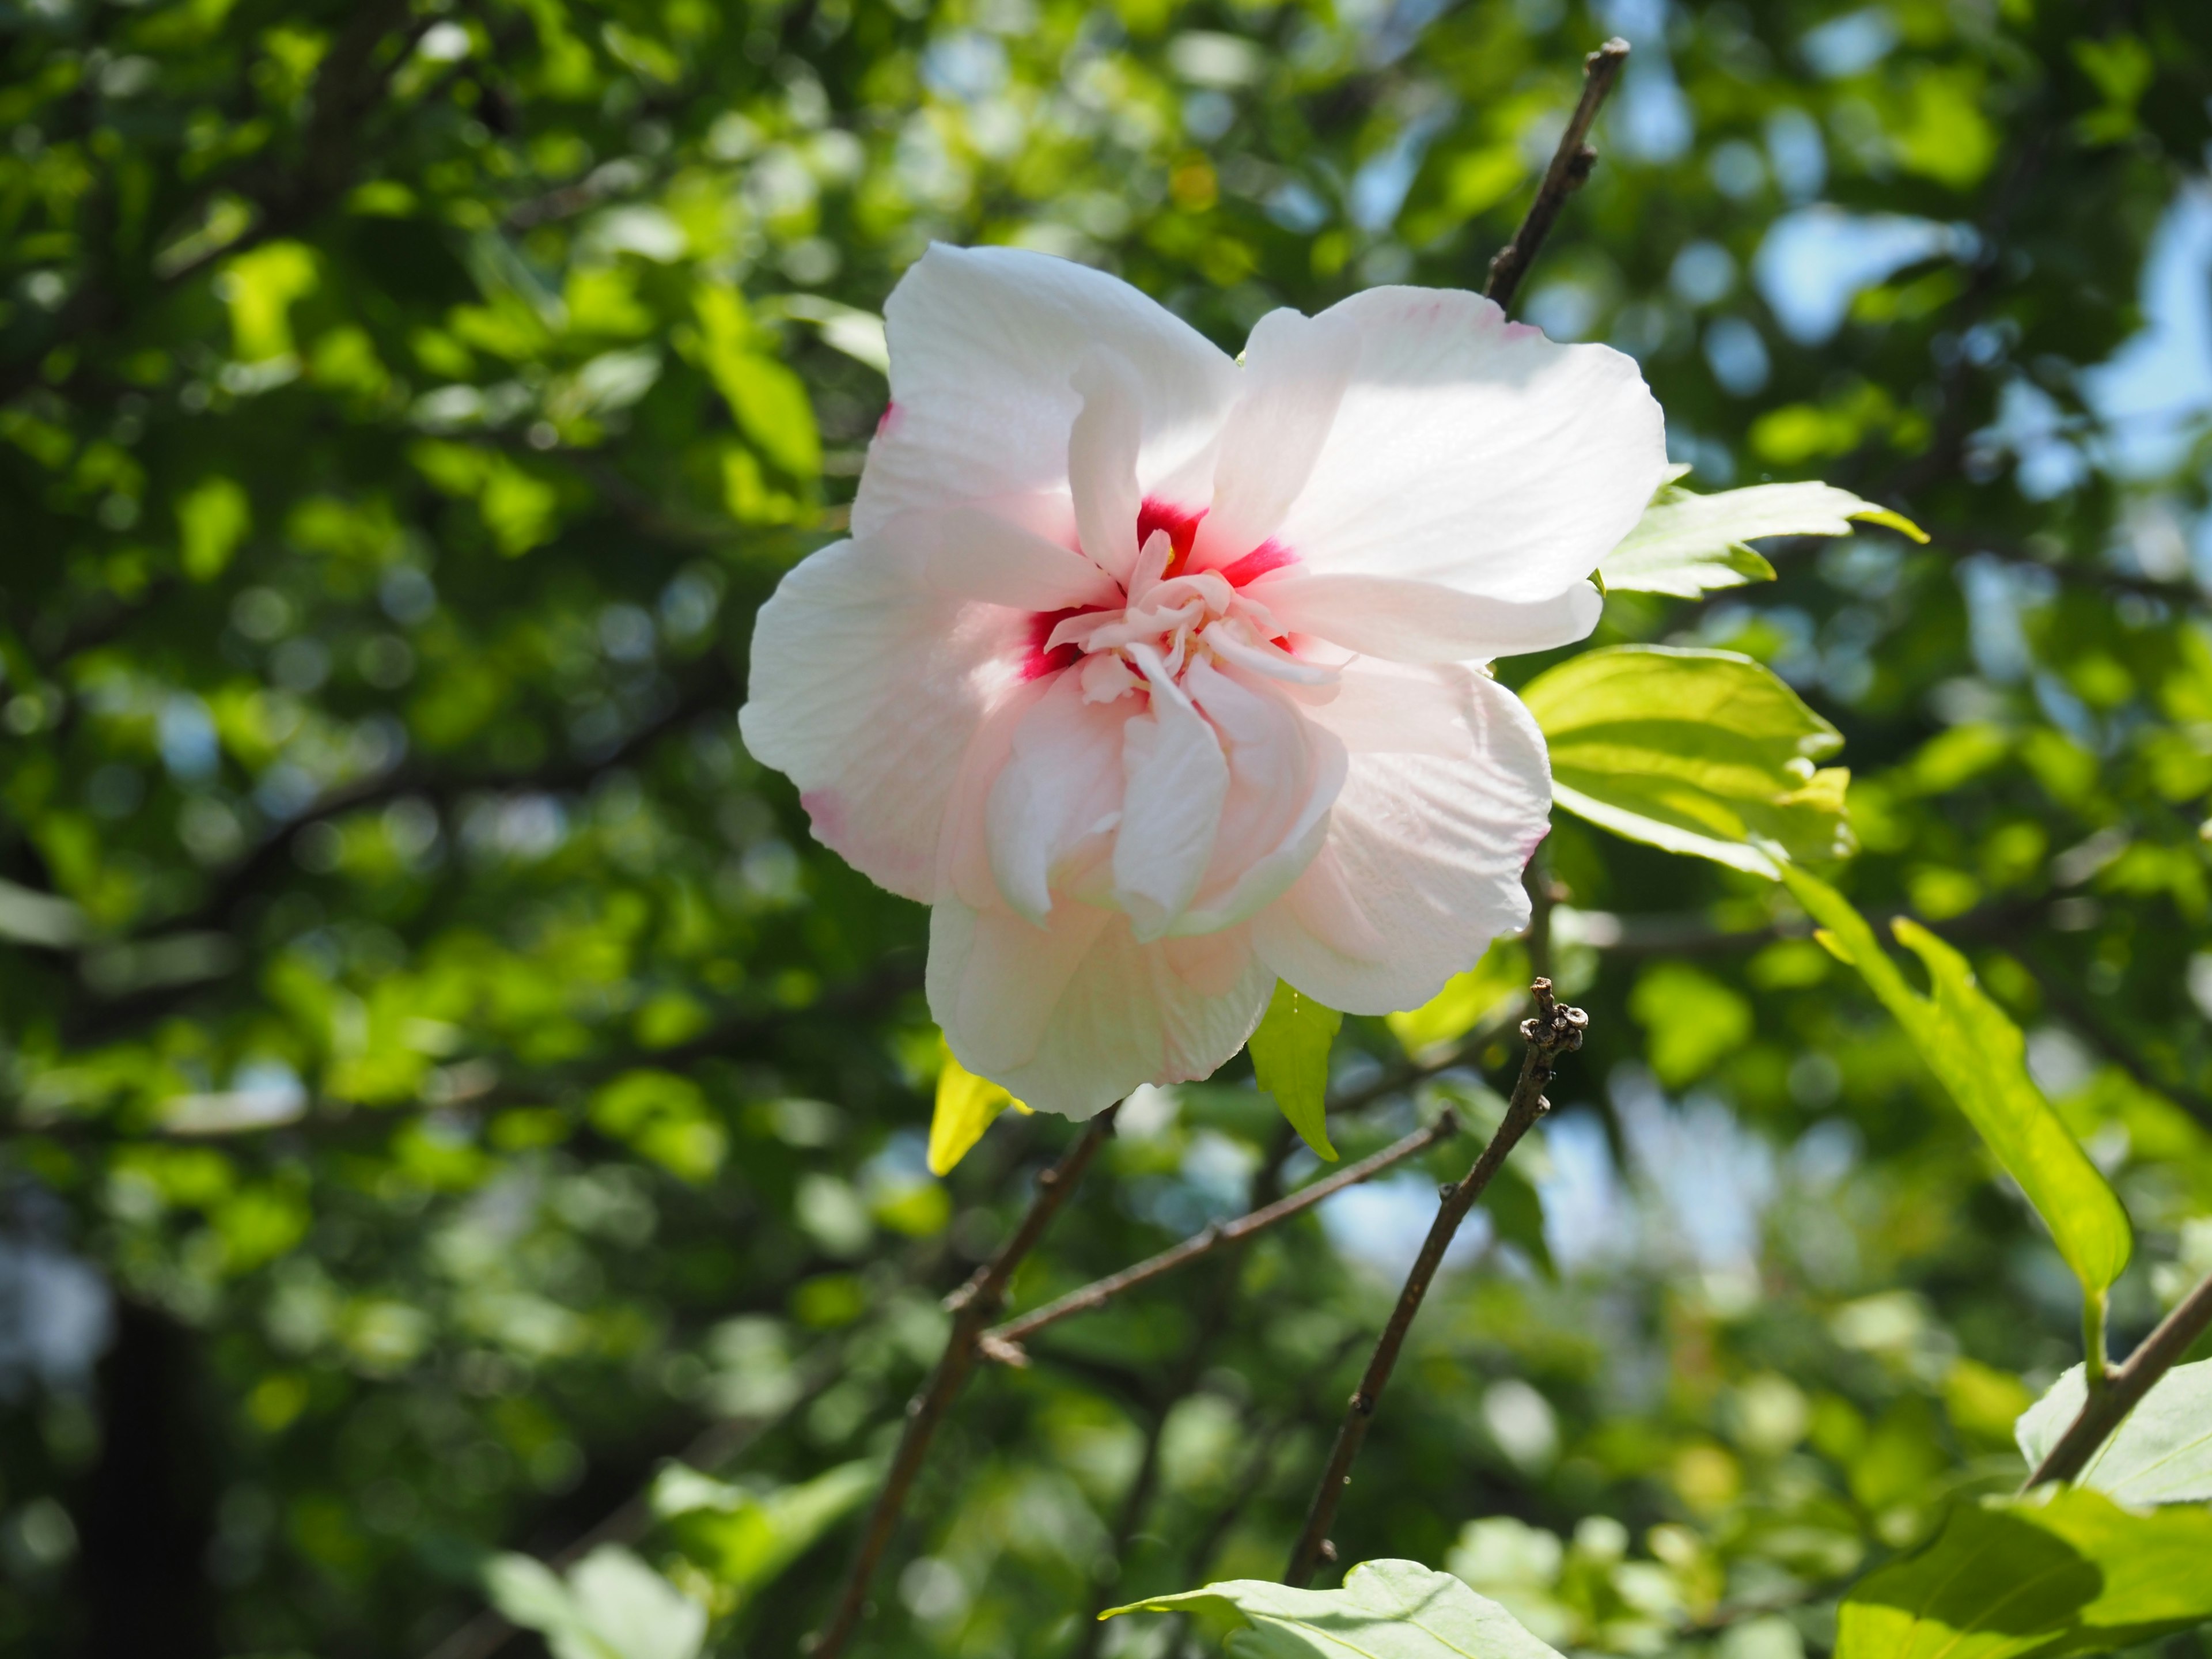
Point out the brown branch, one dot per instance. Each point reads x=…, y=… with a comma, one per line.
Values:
x=1570, y=166
x=1556, y=1029
x=2124, y=1386
x=1002, y=1343
x=972, y=1306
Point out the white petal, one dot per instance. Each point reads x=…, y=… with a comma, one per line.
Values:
x=971, y=554
x=1072, y=1017
x=984, y=343
x=1102, y=463
x=1284, y=772
x=868, y=687
x=1403, y=621
x=1174, y=781
x=1426, y=850
x=1475, y=453
x=1060, y=788
x=1296, y=368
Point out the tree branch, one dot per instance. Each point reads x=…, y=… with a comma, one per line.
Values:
x=2124, y=1386
x=973, y=1306
x=1556, y=1029
x=1570, y=166
x=1002, y=1343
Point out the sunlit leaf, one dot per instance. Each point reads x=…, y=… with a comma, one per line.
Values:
x=1978, y=1055
x=746, y=1538
x=2162, y=1452
x=1386, y=1610
x=1703, y=752
x=612, y=1606
x=1290, y=1056
x=1686, y=544
x=2063, y=1573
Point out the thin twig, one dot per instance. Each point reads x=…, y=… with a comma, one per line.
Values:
x=1556, y=1029
x=1003, y=1343
x=1571, y=165
x=2124, y=1386
x=972, y=1306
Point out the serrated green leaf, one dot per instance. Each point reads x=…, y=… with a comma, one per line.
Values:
x=2162, y=1452
x=2067, y=1572
x=1386, y=1610
x=1979, y=1056
x=1702, y=752
x=1496, y=981
x=1290, y=1057
x=1686, y=544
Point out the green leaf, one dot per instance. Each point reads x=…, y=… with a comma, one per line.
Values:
x=1290, y=1056
x=1495, y=983
x=1686, y=544
x=1702, y=752
x=212, y=519
x=2162, y=1452
x=2064, y=1573
x=612, y=1606
x=745, y=1539
x=768, y=400
x=1386, y=1610
x=1977, y=1054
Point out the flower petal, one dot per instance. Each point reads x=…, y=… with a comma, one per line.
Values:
x=1175, y=780
x=1284, y=772
x=1403, y=621
x=1424, y=850
x=1060, y=789
x=868, y=687
x=1296, y=370
x=983, y=345
x=971, y=554
x=1074, y=1016
x=1102, y=463
x=1475, y=453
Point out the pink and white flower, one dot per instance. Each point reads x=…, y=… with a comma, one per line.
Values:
x=1157, y=675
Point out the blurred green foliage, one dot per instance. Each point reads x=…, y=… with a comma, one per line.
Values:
x=443, y=1082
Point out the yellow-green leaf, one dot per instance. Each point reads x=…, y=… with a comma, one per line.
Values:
x=2067, y=1572
x=1290, y=1055
x=1686, y=544
x=966, y=1104
x=212, y=519
x=768, y=400
x=1703, y=752
x=1978, y=1055
x=1468, y=1000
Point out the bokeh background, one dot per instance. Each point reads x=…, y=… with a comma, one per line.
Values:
x=442, y=1079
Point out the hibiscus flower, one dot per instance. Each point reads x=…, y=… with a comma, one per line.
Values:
x=1159, y=677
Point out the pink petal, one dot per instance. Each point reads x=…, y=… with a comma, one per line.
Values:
x=1473, y=453
x=984, y=345
x=1404, y=621
x=1059, y=790
x=1074, y=1016
x=868, y=687
x=1296, y=370
x=1424, y=849
x=1102, y=463
x=1175, y=778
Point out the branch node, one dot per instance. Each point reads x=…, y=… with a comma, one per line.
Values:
x=1001, y=1351
x=1446, y=1190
